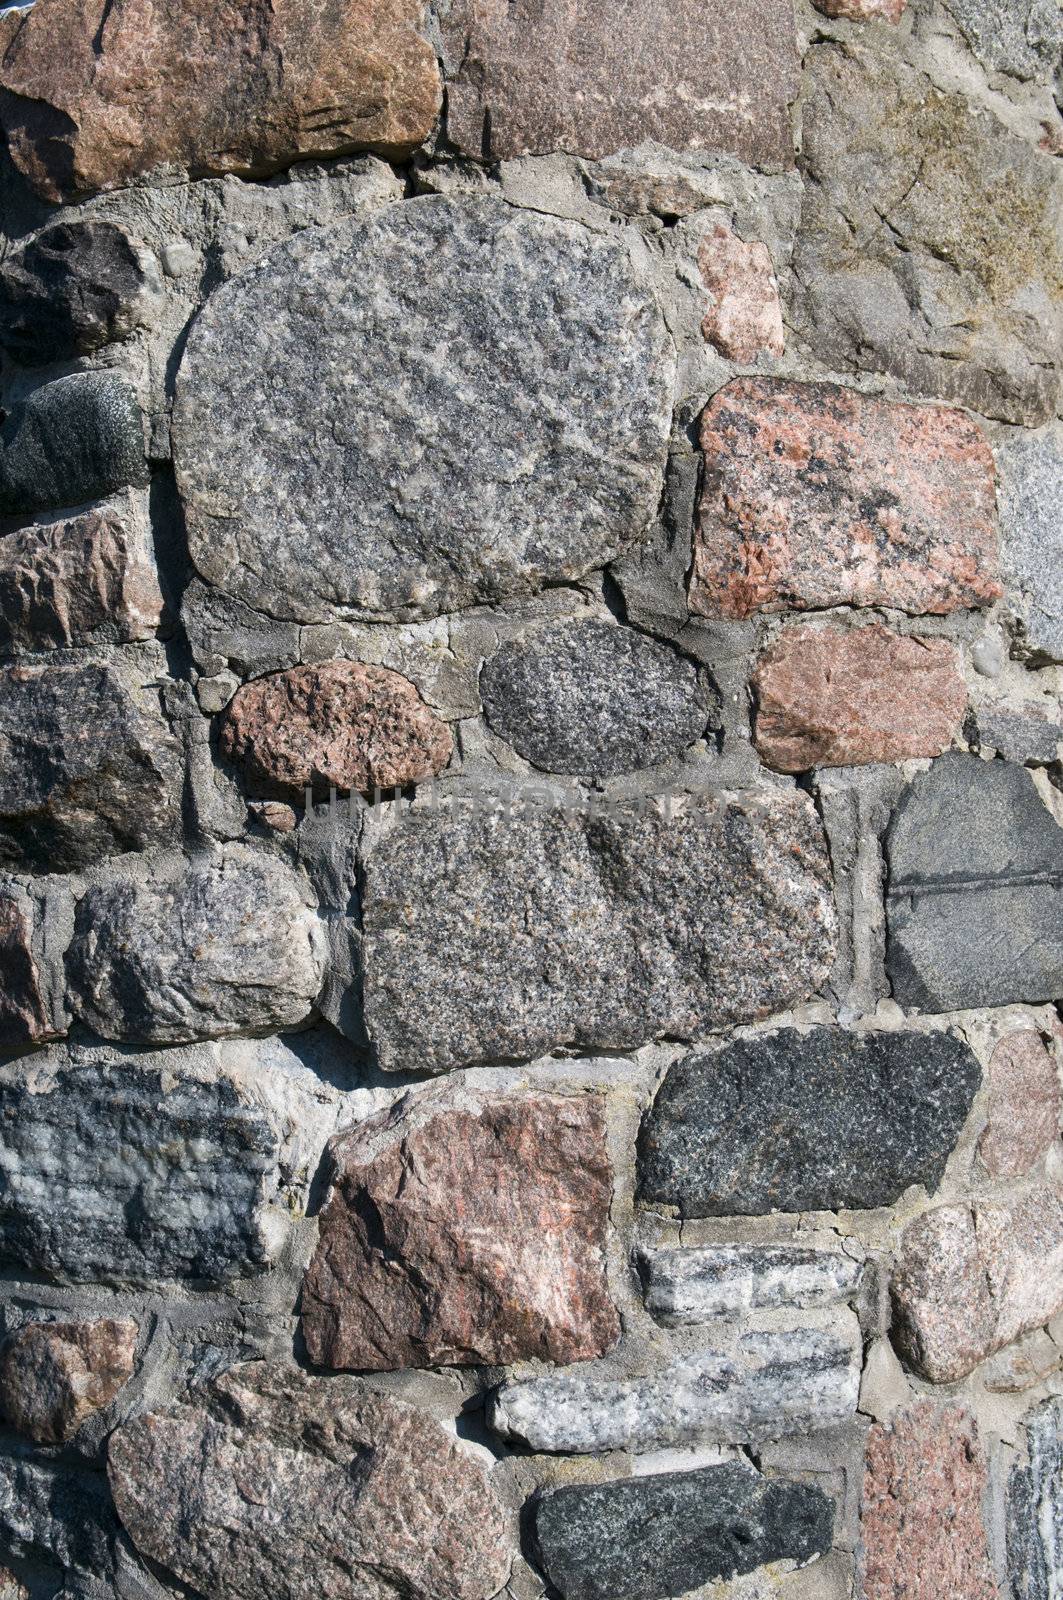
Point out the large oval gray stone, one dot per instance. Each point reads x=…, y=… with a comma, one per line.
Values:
x=447, y=402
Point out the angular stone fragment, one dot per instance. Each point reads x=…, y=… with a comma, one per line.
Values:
x=532, y=78
x=495, y=936
x=1031, y=537
x=862, y=10
x=1022, y=1365
x=73, y=440
x=922, y=1526
x=764, y=1385
x=11, y=1588
x=231, y=946
x=55, y=1375
x=1024, y=1105
x=971, y=1278
x=745, y=319
x=81, y=580
x=24, y=1016
x=702, y=1283
x=464, y=1232
x=1023, y=38
x=670, y=1533
x=58, y=1515
x=276, y=1483
x=94, y=96
x=1035, y=1508
x=976, y=889
x=818, y=496
x=72, y=289
x=585, y=697
x=538, y=445
x=340, y=723
x=820, y=1121
x=837, y=697
x=1029, y=733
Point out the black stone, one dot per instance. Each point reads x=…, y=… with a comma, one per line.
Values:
x=822, y=1121
x=70, y=442
x=650, y=1538
x=68, y=292
x=57, y=1514
x=1035, y=1508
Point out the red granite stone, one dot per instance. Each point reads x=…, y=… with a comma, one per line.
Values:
x=54, y=1375
x=745, y=319
x=1024, y=1105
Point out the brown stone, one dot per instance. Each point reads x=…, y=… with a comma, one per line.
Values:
x=832, y=697
x=465, y=1231
x=972, y=1278
x=745, y=319
x=10, y=1586
x=818, y=496
x=339, y=723
x=863, y=10
x=535, y=76
x=1029, y=1361
x=1024, y=1105
x=97, y=93
x=924, y=1537
x=55, y=1375
x=24, y=1017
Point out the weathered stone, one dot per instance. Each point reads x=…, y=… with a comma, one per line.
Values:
x=11, y=1588
x=532, y=78
x=70, y=290
x=340, y=723
x=705, y=1282
x=1029, y=733
x=585, y=697
x=764, y=1385
x=82, y=580
x=1027, y=1362
x=929, y=244
x=277, y=1483
x=1024, y=1105
x=1023, y=38
x=862, y=10
x=922, y=1526
x=819, y=1121
x=56, y=1514
x=818, y=496
x=648, y=1538
x=745, y=319
x=1035, y=1508
x=509, y=935
x=24, y=1016
x=837, y=697
x=232, y=945
x=89, y=765
x=1031, y=543
x=539, y=444
x=856, y=804
x=55, y=1375
x=71, y=441
x=462, y=1231
x=973, y=1277
x=94, y=96
x=976, y=889
x=176, y=1164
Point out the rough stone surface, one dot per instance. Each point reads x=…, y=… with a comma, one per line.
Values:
x=745, y=319
x=929, y=243
x=281, y=1484
x=57, y=1515
x=585, y=697
x=766, y=1385
x=73, y=288
x=531, y=78
x=81, y=580
x=94, y=96
x=821, y=1121
x=1035, y=1508
x=470, y=1232
x=339, y=723
x=500, y=935
x=667, y=1534
x=818, y=496
x=973, y=1277
x=539, y=445
x=1023, y=38
x=836, y=697
x=976, y=889
x=700, y=1283
x=922, y=1525
x=862, y=10
x=54, y=1375
x=89, y=765
x=1031, y=542
x=77, y=439
x=11, y=1588
x=1029, y=733
x=1024, y=1364
x=231, y=945
x=1024, y=1105
x=24, y=1015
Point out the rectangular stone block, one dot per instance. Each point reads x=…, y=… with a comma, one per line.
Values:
x=704, y=1282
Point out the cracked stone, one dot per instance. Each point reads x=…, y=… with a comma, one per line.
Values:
x=55, y=1375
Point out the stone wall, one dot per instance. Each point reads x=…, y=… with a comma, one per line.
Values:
x=531, y=916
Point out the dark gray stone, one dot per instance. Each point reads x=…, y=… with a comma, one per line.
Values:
x=1031, y=537
x=649, y=1538
x=585, y=697
x=75, y=440
x=823, y=1121
x=975, y=903
x=1023, y=38
x=1035, y=1508
x=56, y=1514
x=400, y=415
x=1023, y=734
x=66, y=293
x=507, y=935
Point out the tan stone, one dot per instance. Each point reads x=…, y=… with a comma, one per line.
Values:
x=745, y=319
x=55, y=1375
x=1024, y=1105
x=863, y=10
